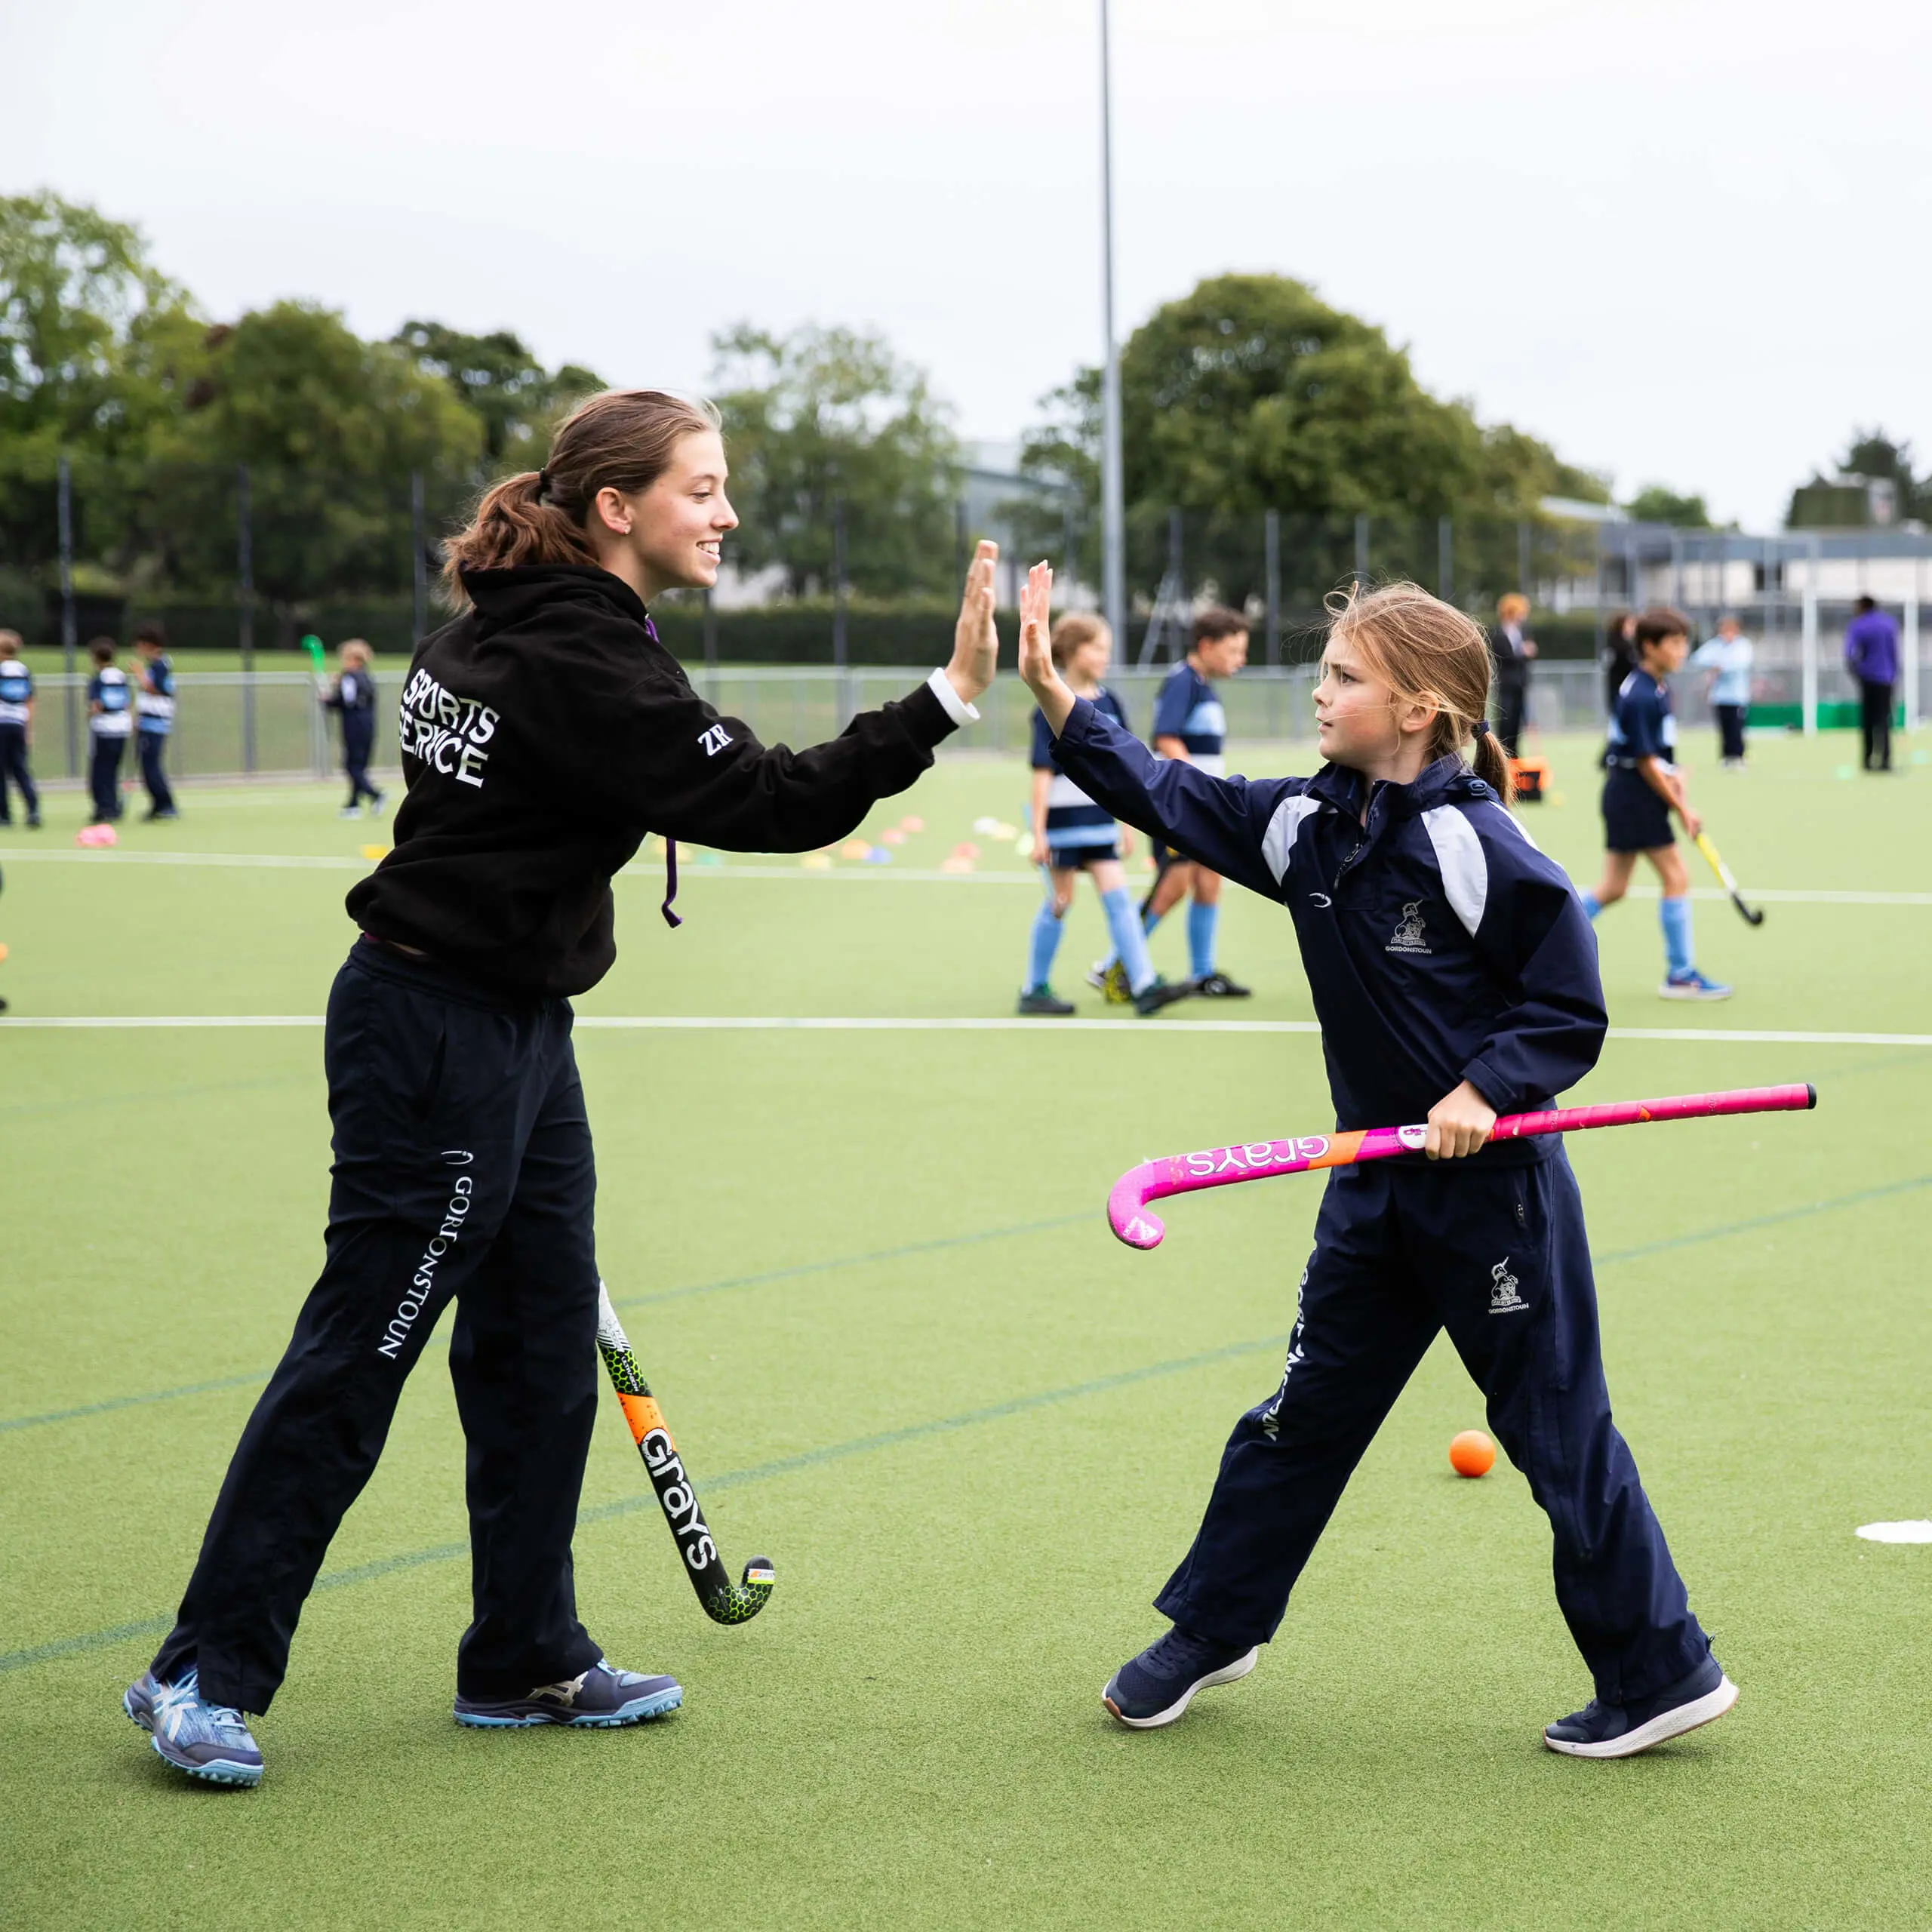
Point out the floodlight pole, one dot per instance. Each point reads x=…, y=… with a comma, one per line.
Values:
x=64, y=509
x=1113, y=499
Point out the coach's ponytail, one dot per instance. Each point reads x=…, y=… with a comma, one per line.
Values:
x=621, y=440
x=1429, y=653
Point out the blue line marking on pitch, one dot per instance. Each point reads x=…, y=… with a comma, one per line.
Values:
x=809, y=1459
x=627, y=1301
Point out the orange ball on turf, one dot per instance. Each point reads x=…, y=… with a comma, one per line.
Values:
x=1471, y=1453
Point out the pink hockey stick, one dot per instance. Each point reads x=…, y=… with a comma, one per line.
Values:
x=1127, y=1212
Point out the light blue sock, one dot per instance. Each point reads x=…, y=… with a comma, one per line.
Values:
x=1147, y=926
x=1674, y=916
x=1590, y=906
x=1130, y=942
x=1045, y=943
x=1201, y=920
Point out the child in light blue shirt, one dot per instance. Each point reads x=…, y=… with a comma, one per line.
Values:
x=1729, y=655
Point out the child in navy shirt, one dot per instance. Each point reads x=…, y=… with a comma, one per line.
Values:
x=1072, y=835
x=154, y=716
x=351, y=694
x=1642, y=786
x=1454, y=976
x=110, y=723
x=1191, y=724
x=16, y=726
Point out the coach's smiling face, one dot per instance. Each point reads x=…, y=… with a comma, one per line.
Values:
x=670, y=537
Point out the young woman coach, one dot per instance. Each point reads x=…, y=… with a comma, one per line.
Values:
x=544, y=732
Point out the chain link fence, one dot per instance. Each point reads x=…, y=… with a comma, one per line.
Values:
x=271, y=725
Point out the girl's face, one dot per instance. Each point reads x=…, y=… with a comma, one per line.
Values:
x=1090, y=660
x=1354, y=710
x=675, y=531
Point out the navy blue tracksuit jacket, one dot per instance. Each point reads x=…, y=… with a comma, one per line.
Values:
x=1440, y=945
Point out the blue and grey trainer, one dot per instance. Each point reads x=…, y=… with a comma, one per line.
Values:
x=1692, y=985
x=1621, y=1730
x=1159, y=1684
x=599, y=1698
x=211, y=1741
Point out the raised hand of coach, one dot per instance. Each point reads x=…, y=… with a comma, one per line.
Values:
x=975, y=641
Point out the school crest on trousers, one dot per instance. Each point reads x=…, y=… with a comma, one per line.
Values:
x=1503, y=1298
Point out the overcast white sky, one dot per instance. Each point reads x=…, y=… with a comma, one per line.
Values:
x=1686, y=242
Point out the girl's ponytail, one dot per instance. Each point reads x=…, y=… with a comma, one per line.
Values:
x=1491, y=761
x=514, y=524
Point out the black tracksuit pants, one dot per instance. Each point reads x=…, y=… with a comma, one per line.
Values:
x=13, y=771
x=358, y=740
x=463, y=1168
x=104, y=758
x=1496, y=1255
x=1730, y=729
x=1874, y=723
x=152, y=748
x=1512, y=697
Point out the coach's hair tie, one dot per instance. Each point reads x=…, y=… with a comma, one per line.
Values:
x=1482, y=727
x=543, y=485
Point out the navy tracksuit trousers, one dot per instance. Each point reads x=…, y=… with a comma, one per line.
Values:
x=463, y=1168
x=1496, y=1255
x=13, y=771
x=152, y=747
x=358, y=741
x=104, y=758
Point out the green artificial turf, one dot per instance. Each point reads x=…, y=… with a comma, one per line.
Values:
x=868, y=1274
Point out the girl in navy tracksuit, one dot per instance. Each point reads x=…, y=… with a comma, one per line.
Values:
x=1455, y=977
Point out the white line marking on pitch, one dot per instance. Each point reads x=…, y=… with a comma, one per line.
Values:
x=669, y=1023
x=689, y=870
x=1918, y=1531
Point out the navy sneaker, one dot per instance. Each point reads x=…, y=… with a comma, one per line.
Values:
x=1158, y=993
x=599, y=1698
x=1218, y=986
x=1159, y=1684
x=1041, y=1002
x=1621, y=1730
x=211, y=1741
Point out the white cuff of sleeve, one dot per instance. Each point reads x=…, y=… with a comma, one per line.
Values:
x=957, y=708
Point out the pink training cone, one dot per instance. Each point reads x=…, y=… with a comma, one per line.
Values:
x=1132, y=1222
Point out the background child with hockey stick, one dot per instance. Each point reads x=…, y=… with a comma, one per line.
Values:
x=1642, y=786
x=1455, y=975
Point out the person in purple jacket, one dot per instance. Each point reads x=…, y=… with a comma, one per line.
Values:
x=1871, y=657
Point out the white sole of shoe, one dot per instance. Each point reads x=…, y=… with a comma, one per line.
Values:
x=1228, y=1674
x=1667, y=990
x=1660, y=1729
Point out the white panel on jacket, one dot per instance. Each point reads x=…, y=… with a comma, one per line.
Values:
x=1465, y=870
x=1278, y=840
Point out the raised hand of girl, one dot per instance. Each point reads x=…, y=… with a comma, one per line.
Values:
x=1036, y=656
x=975, y=641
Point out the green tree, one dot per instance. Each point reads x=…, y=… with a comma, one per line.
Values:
x=1874, y=456
x=827, y=414
x=518, y=399
x=331, y=428
x=92, y=336
x=1653, y=503
x=1252, y=394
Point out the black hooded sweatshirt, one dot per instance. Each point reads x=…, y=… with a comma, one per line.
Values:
x=543, y=734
